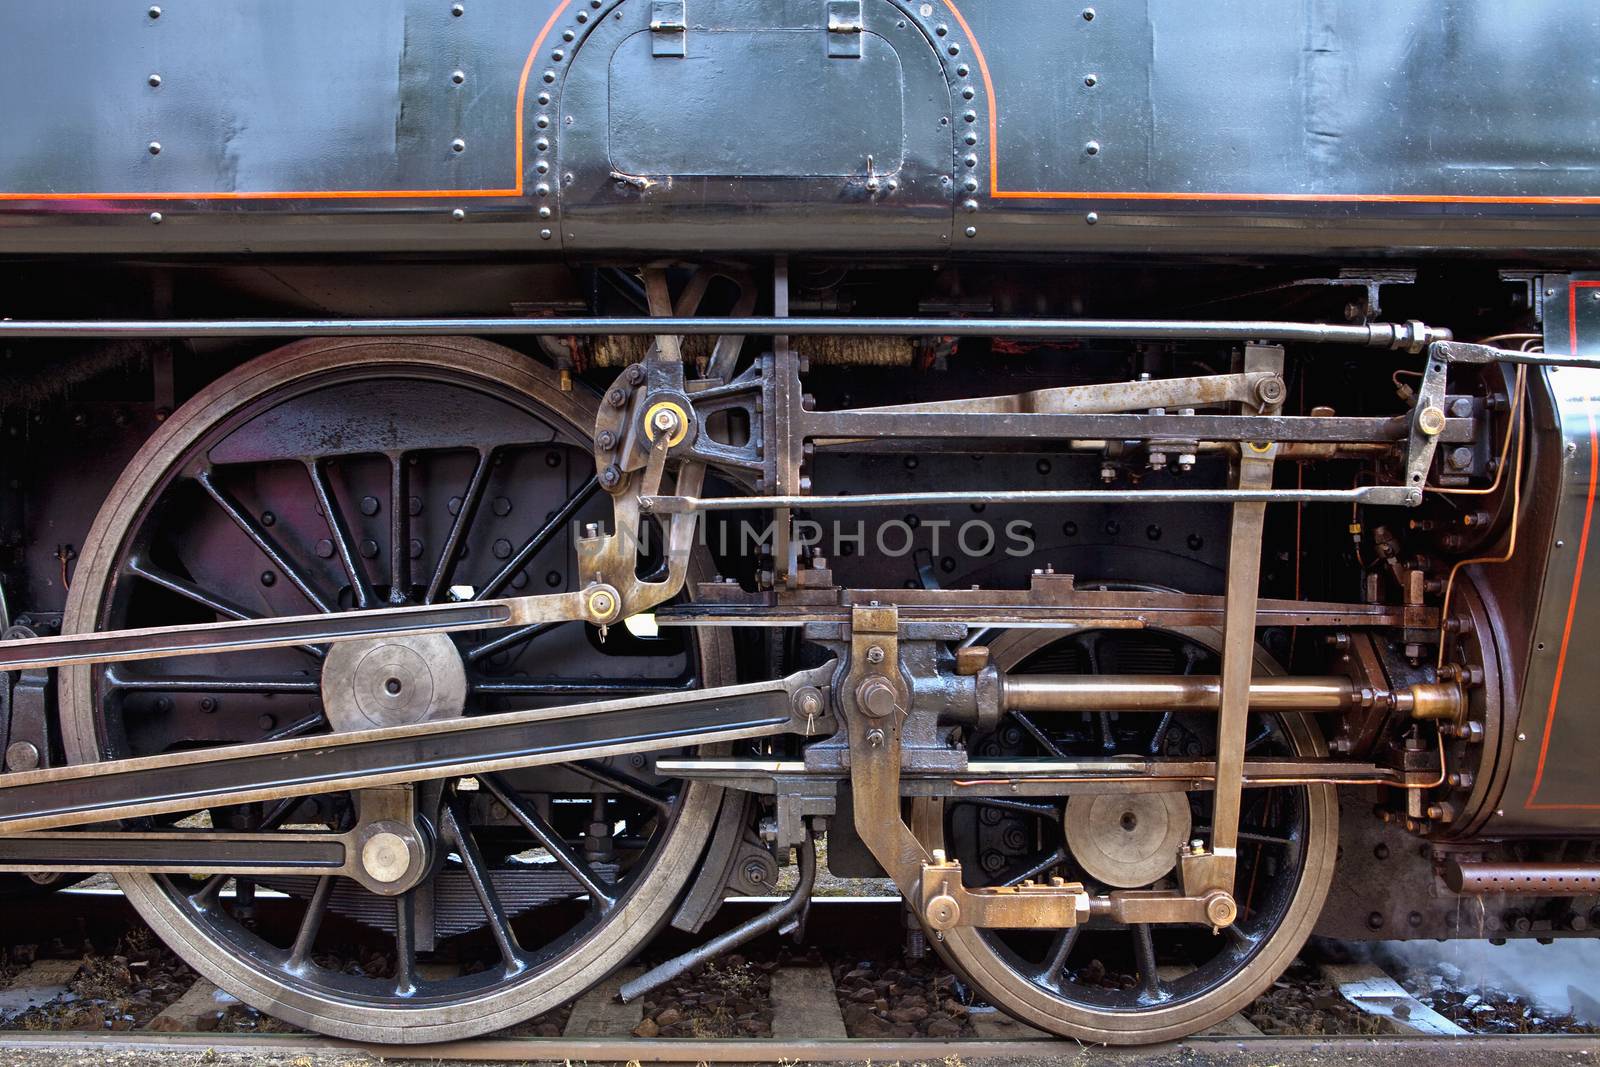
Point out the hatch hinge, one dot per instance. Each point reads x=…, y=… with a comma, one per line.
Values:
x=669, y=29
x=844, y=29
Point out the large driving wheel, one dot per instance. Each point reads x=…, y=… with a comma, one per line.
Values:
x=352, y=474
x=1131, y=984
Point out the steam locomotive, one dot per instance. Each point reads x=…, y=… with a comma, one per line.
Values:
x=508, y=474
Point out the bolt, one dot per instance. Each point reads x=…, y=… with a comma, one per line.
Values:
x=1430, y=421
x=874, y=655
x=808, y=702
x=877, y=698
x=617, y=397
x=1460, y=458
x=1108, y=473
x=611, y=477
x=875, y=738
x=1271, y=390
x=666, y=421
x=607, y=440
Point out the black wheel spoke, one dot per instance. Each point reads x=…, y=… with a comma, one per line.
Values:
x=507, y=640
x=622, y=783
x=1027, y=723
x=1144, y=949
x=1039, y=866
x=185, y=588
x=483, y=885
x=445, y=569
x=601, y=895
x=186, y=683
x=535, y=544
x=399, y=530
x=1055, y=960
x=343, y=543
x=405, y=943
x=310, y=923
x=298, y=728
x=258, y=534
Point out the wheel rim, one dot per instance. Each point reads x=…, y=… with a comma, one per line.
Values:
x=271, y=492
x=1121, y=985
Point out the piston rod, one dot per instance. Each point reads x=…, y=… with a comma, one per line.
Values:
x=1170, y=692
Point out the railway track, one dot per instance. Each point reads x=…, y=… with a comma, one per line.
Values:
x=806, y=1017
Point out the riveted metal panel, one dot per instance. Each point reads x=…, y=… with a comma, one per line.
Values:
x=757, y=138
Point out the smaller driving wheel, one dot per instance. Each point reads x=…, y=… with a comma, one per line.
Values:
x=1136, y=983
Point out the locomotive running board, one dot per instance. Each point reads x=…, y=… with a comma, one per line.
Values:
x=188, y=781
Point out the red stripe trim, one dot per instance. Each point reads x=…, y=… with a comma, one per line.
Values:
x=1577, y=575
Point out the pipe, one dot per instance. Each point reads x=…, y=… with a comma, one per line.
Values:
x=1174, y=692
x=771, y=919
x=1411, y=336
x=1523, y=879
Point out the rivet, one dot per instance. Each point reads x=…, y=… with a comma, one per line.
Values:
x=458, y=145
x=568, y=36
x=155, y=217
x=558, y=55
x=458, y=76
x=954, y=50
x=458, y=214
x=542, y=166
x=1522, y=737
x=154, y=12
x=458, y=10
x=971, y=138
x=1092, y=148
x=545, y=235
x=583, y=16
x=542, y=189
x=1088, y=14
x=968, y=93
x=963, y=70
x=155, y=80
x=941, y=29
x=544, y=98
x=970, y=116
x=1091, y=80
x=972, y=231
x=970, y=206
x=971, y=161
x=155, y=148
x=1092, y=217
x=543, y=122
x=970, y=185
x=542, y=144
x=549, y=76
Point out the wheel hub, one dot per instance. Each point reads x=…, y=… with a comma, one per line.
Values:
x=393, y=681
x=1127, y=840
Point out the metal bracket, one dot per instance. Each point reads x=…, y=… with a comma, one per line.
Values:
x=669, y=29
x=845, y=29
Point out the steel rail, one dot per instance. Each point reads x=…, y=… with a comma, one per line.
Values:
x=1411, y=336
x=1396, y=1050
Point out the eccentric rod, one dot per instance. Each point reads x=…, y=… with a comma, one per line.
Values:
x=1411, y=336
